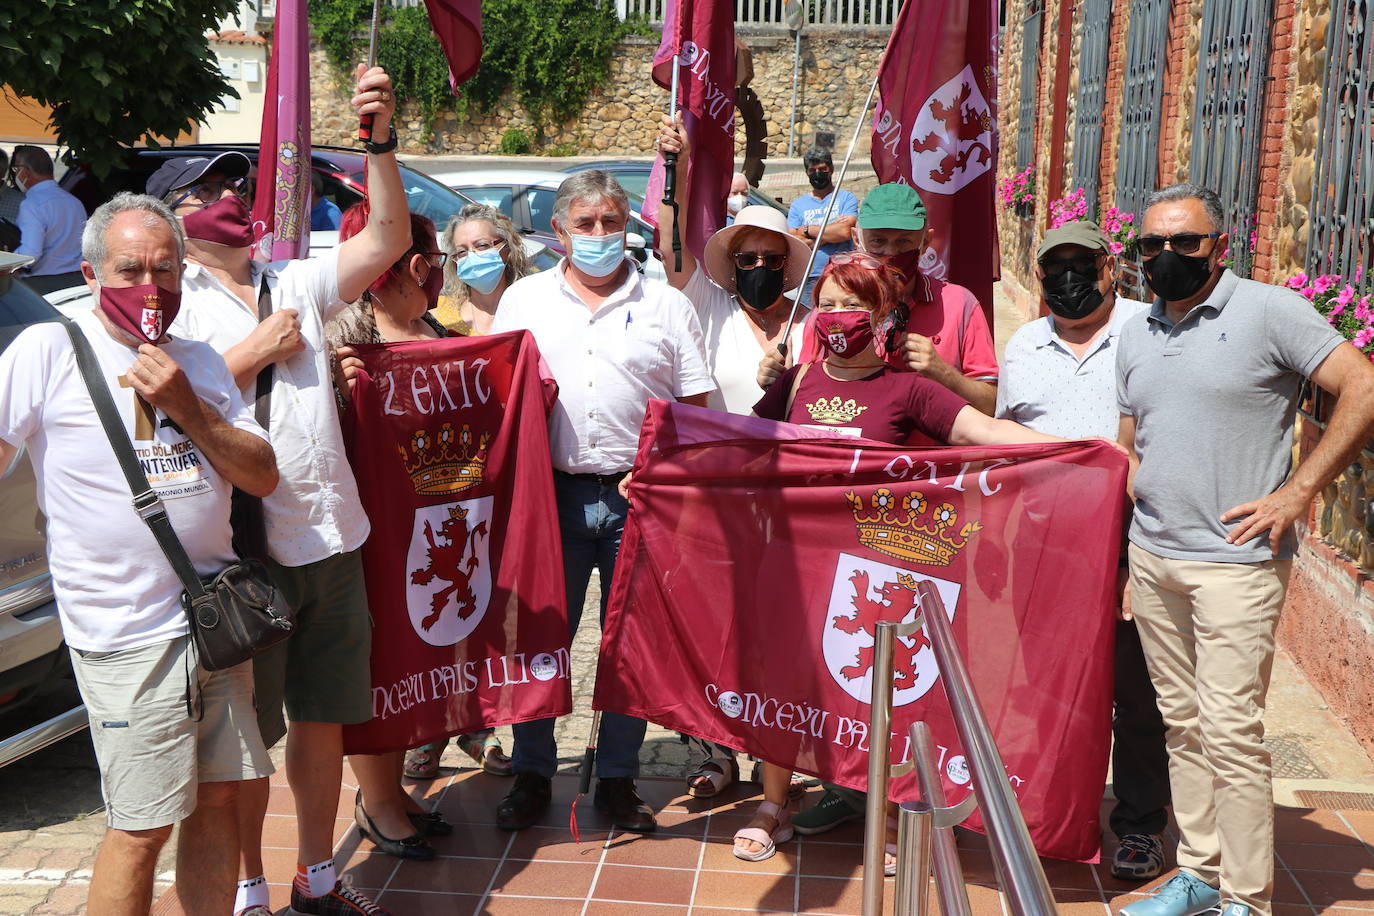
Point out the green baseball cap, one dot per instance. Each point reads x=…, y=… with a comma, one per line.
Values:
x=892, y=206
x=1080, y=232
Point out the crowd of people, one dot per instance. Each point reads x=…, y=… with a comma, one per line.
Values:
x=210, y=354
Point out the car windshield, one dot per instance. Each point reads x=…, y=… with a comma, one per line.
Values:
x=635, y=183
x=426, y=196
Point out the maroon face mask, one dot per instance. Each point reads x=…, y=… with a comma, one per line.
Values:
x=144, y=311
x=908, y=262
x=224, y=222
x=847, y=332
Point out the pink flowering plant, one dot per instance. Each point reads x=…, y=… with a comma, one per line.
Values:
x=1018, y=191
x=1069, y=208
x=1121, y=229
x=1341, y=305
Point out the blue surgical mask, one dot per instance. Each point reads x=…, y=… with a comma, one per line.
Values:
x=482, y=270
x=598, y=255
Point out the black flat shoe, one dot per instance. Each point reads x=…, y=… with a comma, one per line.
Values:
x=411, y=847
x=430, y=823
x=618, y=798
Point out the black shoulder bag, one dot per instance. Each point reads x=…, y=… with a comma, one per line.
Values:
x=234, y=614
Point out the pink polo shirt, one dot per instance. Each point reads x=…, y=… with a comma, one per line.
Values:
x=953, y=320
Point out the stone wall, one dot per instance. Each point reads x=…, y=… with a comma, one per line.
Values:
x=1295, y=171
x=837, y=67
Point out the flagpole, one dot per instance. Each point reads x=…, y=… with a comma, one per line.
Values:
x=829, y=208
x=365, y=122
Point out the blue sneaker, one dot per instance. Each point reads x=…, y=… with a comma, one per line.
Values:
x=1181, y=895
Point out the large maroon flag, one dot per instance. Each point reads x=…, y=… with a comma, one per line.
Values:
x=699, y=39
x=449, y=445
x=935, y=127
x=281, y=212
x=758, y=556
x=458, y=26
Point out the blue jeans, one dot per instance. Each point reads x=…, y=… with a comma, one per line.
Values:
x=591, y=516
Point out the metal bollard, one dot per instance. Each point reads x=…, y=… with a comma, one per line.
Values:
x=879, y=751
x=914, y=823
x=949, y=873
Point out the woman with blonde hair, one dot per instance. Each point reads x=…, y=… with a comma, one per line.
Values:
x=486, y=255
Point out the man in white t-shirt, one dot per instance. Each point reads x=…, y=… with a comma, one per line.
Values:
x=168, y=752
x=315, y=525
x=614, y=340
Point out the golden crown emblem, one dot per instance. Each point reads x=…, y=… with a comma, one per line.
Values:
x=445, y=463
x=909, y=528
x=835, y=412
x=150, y=301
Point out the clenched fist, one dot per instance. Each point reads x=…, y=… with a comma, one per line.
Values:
x=278, y=337
x=772, y=367
x=158, y=379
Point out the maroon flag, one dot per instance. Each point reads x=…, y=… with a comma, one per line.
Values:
x=281, y=212
x=759, y=556
x=458, y=26
x=699, y=38
x=449, y=445
x=934, y=127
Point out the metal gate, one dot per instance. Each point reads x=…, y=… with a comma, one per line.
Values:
x=1091, y=99
x=1147, y=42
x=1030, y=83
x=1342, y=218
x=1228, y=115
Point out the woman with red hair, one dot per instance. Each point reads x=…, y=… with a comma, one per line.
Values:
x=850, y=389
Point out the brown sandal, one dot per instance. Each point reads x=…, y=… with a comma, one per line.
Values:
x=712, y=776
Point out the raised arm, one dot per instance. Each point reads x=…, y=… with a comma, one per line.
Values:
x=364, y=257
x=672, y=138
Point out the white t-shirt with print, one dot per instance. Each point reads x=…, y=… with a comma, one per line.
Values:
x=114, y=586
x=315, y=512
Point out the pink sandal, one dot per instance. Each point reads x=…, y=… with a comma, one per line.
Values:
x=768, y=839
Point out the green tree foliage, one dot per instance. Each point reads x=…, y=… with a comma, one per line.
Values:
x=114, y=72
x=552, y=54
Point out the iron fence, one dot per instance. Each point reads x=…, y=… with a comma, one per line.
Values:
x=849, y=13
x=1342, y=217
x=1091, y=99
x=1142, y=95
x=1228, y=114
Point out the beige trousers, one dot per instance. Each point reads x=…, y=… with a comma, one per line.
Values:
x=1208, y=633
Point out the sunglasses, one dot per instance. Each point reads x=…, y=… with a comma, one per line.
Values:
x=748, y=260
x=1183, y=243
x=1083, y=264
x=207, y=192
x=861, y=258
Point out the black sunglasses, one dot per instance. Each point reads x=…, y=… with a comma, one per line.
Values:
x=1183, y=243
x=748, y=260
x=1083, y=264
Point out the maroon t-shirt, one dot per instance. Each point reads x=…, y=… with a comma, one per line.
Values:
x=885, y=406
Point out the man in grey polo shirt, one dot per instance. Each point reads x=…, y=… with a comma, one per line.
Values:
x=1059, y=377
x=1207, y=384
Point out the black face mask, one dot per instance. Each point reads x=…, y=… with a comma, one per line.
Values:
x=1072, y=295
x=760, y=287
x=1175, y=277
x=819, y=180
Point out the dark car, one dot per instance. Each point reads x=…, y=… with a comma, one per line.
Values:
x=633, y=176
x=32, y=654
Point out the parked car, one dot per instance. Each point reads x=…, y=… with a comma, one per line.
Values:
x=340, y=168
x=527, y=195
x=32, y=653
x=633, y=175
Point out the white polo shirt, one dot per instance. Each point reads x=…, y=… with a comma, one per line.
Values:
x=732, y=350
x=315, y=512
x=643, y=342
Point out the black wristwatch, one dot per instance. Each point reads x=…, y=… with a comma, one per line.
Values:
x=377, y=148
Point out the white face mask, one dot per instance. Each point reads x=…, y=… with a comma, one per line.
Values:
x=735, y=202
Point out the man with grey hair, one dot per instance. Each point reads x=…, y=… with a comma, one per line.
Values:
x=172, y=740
x=50, y=222
x=1218, y=361
x=613, y=340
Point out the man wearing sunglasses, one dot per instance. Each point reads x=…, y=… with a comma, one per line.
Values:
x=1207, y=386
x=1059, y=377
x=50, y=223
x=314, y=526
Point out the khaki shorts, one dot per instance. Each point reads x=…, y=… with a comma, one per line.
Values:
x=323, y=673
x=152, y=753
